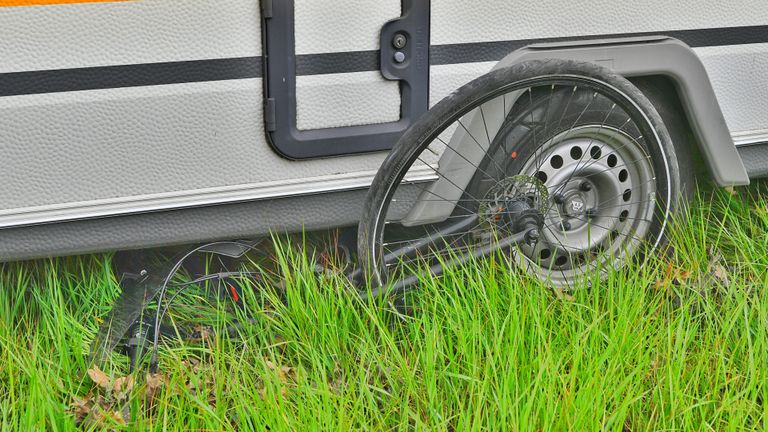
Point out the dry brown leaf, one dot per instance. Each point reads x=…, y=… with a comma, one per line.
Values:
x=563, y=295
x=124, y=385
x=627, y=426
x=100, y=378
x=270, y=364
x=721, y=274
x=194, y=366
x=191, y=363
x=204, y=332
x=154, y=383
x=156, y=380
x=673, y=276
x=336, y=381
x=286, y=373
x=81, y=407
x=716, y=268
x=102, y=417
x=116, y=417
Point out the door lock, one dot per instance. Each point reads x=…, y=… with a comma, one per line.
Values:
x=399, y=41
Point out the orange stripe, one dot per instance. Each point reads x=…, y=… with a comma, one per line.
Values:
x=6, y=3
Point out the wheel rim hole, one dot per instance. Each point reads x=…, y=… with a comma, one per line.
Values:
x=612, y=160
x=576, y=153
x=542, y=176
x=627, y=195
x=623, y=216
x=595, y=152
x=545, y=254
x=623, y=175
x=561, y=261
x=556, y=161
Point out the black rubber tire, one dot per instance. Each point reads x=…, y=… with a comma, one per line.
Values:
x=663, y=95
x=419, y=135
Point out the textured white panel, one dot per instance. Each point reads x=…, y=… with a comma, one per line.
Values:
x=99, y=34
x=739, y=75
x=109, y=144
x=346, y=100
x=446, y=78
x=323, y=26
x=343, y=99
x=458, y=21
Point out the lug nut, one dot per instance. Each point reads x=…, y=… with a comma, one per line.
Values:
x=559, y=199
x=532, y=236
x=565, y=225
x=585, y=186
x=591, y=213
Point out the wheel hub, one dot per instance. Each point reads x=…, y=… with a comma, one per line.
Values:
x=514, y=203
x=574, y=205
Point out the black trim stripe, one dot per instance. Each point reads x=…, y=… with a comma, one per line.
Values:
x=494, y=51
x=149, y=74
x=341, y=62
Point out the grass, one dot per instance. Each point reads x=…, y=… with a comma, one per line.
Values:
x=677, y=342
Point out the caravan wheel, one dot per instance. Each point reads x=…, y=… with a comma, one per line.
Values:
x=569, y=154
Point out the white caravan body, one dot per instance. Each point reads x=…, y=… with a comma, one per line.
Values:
x=129, y=124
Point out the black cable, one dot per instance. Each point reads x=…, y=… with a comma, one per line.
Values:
x=154, y=361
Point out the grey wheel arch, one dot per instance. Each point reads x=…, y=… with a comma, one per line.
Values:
x=659, y=56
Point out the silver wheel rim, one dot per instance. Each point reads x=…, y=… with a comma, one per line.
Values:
x=602, y=192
